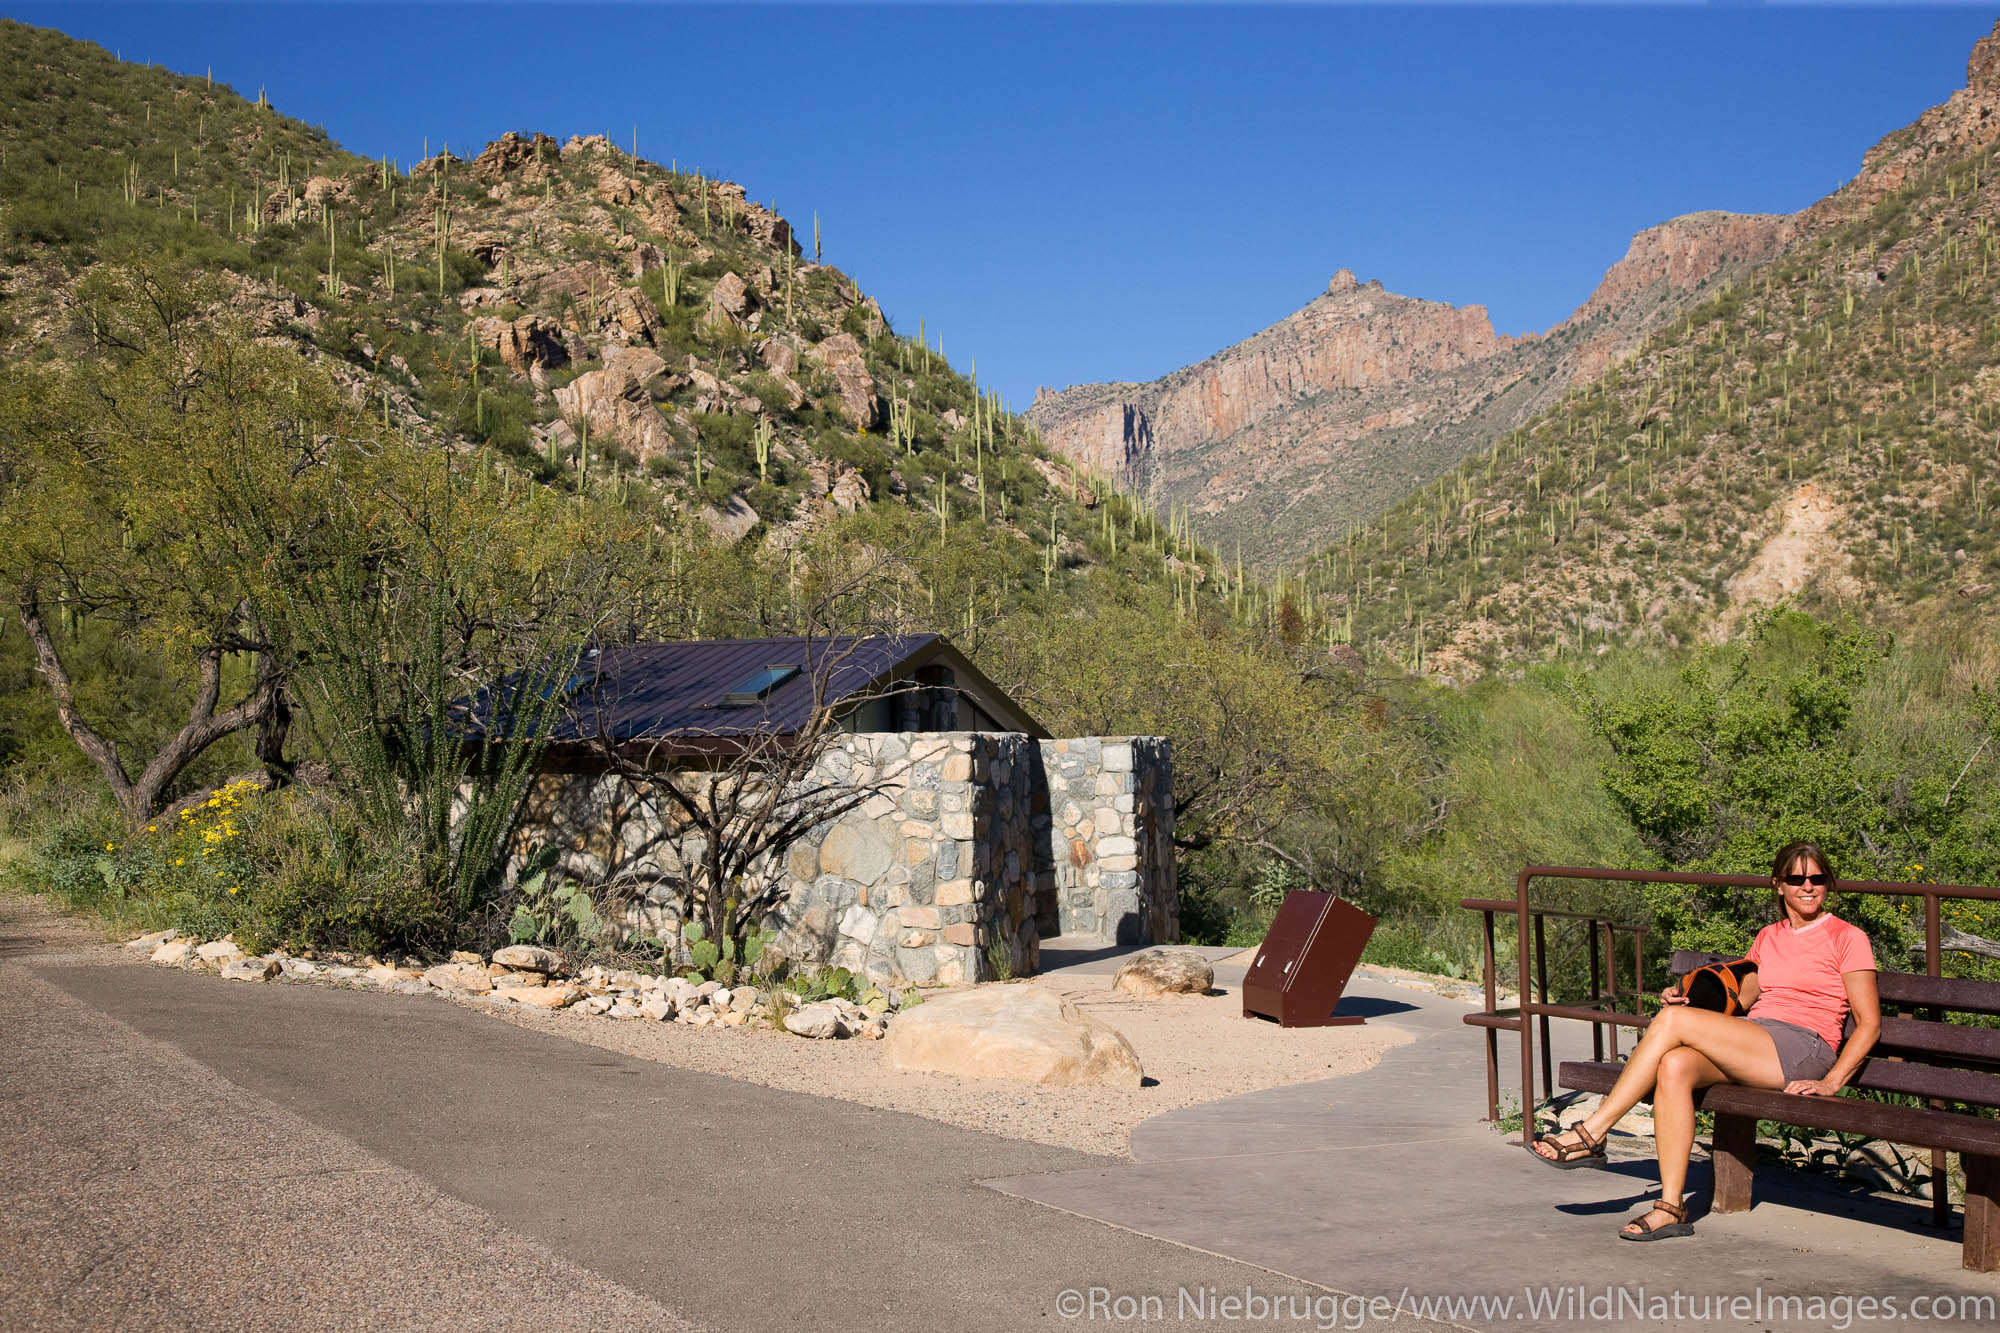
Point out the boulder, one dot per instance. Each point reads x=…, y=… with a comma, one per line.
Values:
x=460, y=978
x=732, y=522
x=729, y=301
x=218, y=952
x=658, y=1008
x=1151, y=973
x=779, y=355
x=149, y=943
x=1012, y=1032
x=250, y=969
x=529, y=958
x=174, y=952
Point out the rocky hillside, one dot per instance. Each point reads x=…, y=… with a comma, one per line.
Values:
x=1820, y=429
x=1335, y=412
x=601, y=321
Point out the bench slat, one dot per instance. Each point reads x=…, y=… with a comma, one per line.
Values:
x=1954, y=1040
x=1916, y=1125
x=1960, y=994
x=1920, y=1080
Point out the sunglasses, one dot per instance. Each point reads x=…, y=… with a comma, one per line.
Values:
x=1796, y=880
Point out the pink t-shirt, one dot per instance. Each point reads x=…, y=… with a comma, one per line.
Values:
x=1798, y=972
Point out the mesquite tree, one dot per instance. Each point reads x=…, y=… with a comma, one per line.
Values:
x=111, y=516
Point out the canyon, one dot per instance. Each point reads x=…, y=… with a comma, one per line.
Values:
x=1277, y=444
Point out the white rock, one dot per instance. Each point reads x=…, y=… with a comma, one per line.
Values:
x=623, y=1010
x=529, y=958
x=463, y=956
x=593, y=1004
x=720, y=999
x=859, y=923
x=1012, y=1032
x=219, y=951
x=148, y=943
x=301, y=968
x=735, y=1018
x=658, y=1009
x=820, y=1020
x=250, y=969
x=174, y=951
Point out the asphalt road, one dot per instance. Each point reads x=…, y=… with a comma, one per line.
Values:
x=178, y=1151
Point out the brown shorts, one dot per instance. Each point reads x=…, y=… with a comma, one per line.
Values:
x=1802, y=1053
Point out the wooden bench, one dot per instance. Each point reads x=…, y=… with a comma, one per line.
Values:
x=1919, y=1055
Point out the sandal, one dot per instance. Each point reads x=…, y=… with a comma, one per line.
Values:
x=1586, y=1151
x=1680, y=1226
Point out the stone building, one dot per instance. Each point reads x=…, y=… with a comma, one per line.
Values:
x=979, y=835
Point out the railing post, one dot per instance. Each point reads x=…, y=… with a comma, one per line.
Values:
x=1527, y=1009
x=1492, y=1034
x=1611, y=975
x=1596, y=991
x=1933, y=966
x=1542, y=988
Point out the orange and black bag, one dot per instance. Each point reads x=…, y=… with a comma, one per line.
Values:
x=1712, y=981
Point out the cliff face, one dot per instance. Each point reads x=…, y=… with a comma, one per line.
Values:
x=1340, y=408
x=1966, y=123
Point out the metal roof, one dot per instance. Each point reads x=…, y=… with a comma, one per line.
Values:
x=623, y=693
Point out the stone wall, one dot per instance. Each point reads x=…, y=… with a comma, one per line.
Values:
x=1108, y=864
x=972, y=848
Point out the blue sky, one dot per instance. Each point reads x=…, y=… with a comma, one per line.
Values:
x=1084, y=193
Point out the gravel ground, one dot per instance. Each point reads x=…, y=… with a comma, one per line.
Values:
x=1194, y=1048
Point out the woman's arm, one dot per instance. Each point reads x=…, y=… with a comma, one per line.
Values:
x=1746, y=991
x=1866, y=1005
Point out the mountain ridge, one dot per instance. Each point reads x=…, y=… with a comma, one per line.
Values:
x=1245, y=438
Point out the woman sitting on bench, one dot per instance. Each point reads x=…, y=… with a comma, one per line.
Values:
x=1813, y=969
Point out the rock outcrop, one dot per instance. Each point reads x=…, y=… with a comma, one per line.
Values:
x=841, y=358
x=529, y=345
x=615, y=405
x=1966, y=123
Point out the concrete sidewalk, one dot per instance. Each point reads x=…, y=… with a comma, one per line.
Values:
x=1386, y=1183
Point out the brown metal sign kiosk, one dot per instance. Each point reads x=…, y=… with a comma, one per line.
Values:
x=1305, y=960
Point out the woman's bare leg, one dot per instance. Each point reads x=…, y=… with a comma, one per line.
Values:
x=1682, y=1071
x=1740, y=1050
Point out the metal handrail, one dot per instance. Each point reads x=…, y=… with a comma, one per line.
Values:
x=1602, y=933
x=1932, y=894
